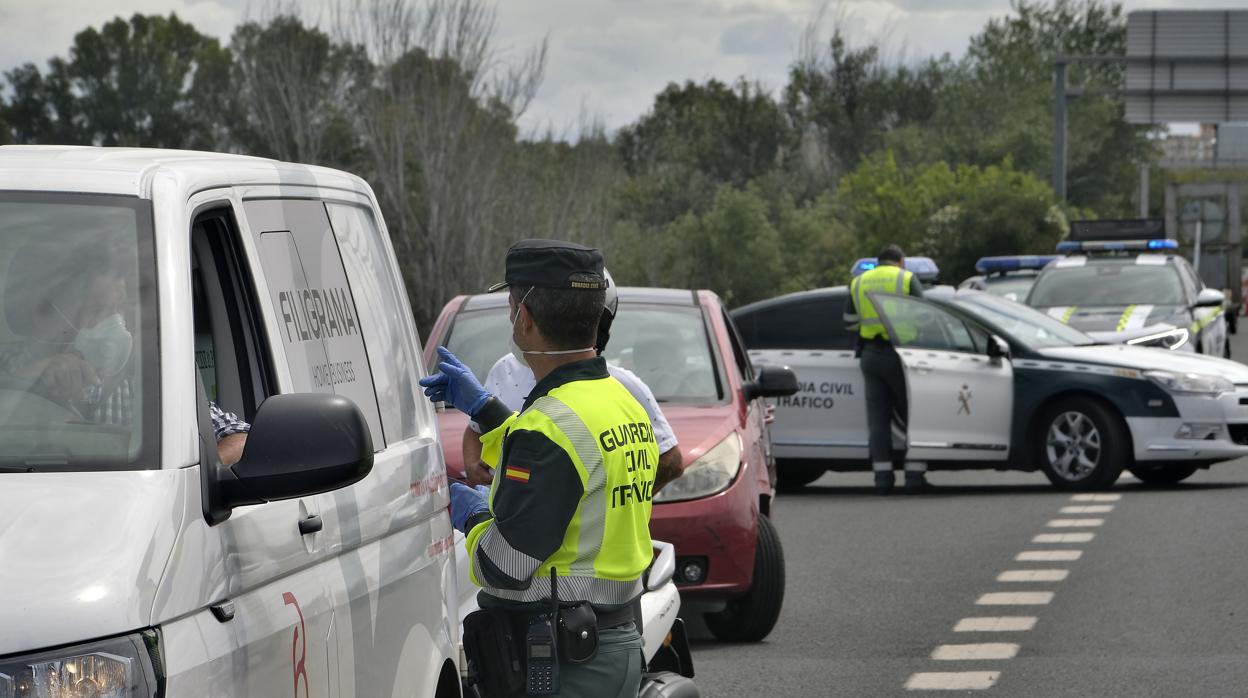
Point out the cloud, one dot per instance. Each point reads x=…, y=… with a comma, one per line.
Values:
x=769, y=35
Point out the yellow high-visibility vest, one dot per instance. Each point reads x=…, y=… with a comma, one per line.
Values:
x=884, y=279
x=607, y=435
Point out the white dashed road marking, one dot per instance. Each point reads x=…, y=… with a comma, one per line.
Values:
x=1033, y=575
x=1096, y=498
x=1088, y=509
x=997, y=624
x=1015, y=598
x=981, y=650
x=1075, y=523
x=1063, y=538
x=1048, y=555
x=953, y=680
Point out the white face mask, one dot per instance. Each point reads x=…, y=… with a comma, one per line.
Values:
x=106, y=346
x=518, y=352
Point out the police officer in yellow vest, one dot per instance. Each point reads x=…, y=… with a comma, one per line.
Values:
x=881, y=366
x=575, y=471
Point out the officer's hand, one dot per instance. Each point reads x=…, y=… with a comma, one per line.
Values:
x=477, y=473
x=456, y=385
x=466, y=502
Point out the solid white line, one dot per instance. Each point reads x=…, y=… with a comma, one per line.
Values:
x=981, y=650
x=1048, y=555
x=997, y=624
x=952, y=680
x=1088, y=509
x=1063, y=537
x=1015, y=598
x=1096, y=498
x=1075, y=523
x=1033, y=575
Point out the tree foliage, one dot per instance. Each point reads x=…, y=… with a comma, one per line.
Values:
x=723, y=185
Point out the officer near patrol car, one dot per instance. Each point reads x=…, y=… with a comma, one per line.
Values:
x=882, y=370
x=569, y=509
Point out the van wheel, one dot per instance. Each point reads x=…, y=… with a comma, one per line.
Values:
x=751, y=618
x=795, y=476
x=1081, y=444
x=1163, y=474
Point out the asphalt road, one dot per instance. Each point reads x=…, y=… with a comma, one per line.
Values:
x=1154, y=605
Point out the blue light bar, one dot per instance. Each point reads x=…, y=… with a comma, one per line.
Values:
x=922, y=267
x=1068, y=246
x=990, y=265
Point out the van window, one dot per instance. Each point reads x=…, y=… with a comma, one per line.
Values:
x=317, y=314
x=230, y=352
x=78, y=356
x=801, y=323
x=385, y=319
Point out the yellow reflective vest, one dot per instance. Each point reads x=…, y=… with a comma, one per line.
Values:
x=882, y=280
x=573, y=483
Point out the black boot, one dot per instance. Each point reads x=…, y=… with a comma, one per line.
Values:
x=884, y=481
x=916, y=482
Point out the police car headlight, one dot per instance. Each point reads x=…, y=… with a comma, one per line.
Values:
x=711, y=473
x=118, y=668
x=1170, y=339
x=1190, y=383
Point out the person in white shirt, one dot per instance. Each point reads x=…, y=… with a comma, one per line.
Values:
x=511, y=381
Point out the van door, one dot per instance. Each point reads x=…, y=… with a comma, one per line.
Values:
x=961, y=402
x=827, y=419
x=280, y=620
x=336, y=291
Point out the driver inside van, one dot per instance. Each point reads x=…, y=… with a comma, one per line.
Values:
x=68, y=304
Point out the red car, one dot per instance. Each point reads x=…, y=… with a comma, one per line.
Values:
x=686, y=349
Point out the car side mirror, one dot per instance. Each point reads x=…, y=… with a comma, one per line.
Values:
x=772, y=381
x=300, y=444
x=1210, y=297
x=998, y=349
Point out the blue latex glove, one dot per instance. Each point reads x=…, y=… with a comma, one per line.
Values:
x=455, y=384
x=466, y=502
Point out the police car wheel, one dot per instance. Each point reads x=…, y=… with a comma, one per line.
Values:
x=1081, y=444
x=794, y=476
x=1163, y=474
x=751, y=618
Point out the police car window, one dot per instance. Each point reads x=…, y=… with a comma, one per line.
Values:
x=1026, y=325
x=915, y=324
x=78, y=356
x=806, y=323
x=1115, y=283
x=669, y=348
x=318, y=319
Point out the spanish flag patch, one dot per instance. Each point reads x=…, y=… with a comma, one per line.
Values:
x=517, y=474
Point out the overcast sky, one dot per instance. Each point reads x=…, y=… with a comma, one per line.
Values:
x=607, y=58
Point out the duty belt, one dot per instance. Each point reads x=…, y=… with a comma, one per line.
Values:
x=611, y=619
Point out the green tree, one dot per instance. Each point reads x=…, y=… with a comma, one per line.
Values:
x=150, y=81
x=296, y=87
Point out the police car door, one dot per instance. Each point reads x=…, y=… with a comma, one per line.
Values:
x=961, y=402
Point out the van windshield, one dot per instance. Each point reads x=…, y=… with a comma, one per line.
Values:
x=78, y=364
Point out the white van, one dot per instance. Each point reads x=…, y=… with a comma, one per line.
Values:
x=139, y=287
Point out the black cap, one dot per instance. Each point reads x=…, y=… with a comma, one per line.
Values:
x=552, y=264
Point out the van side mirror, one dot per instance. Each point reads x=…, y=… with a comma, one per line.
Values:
x=300, y=444
x=772, y=381
x=1210, y=298
x=998, y=349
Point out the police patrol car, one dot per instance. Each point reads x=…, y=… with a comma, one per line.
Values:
x=995, y=384
x=1139, y=291
x=1010, y=276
